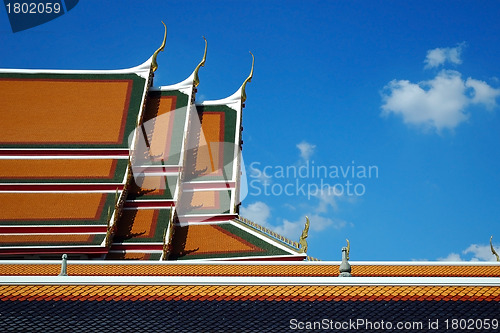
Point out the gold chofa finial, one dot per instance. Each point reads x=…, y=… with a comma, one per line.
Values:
x=196, y=81
x=348, y=248
x=249, y=79
x=165, y=245
x=493, y=249
x=154, y=64
x=302, y=240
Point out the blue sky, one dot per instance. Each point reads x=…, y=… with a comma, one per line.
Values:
x=409, y=88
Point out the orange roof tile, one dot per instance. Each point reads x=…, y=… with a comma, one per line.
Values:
x=248, y=292
x=74, y=268
x=208, y=239
x=76, y=118
x=50, y=239
x=51, y=206
x=57, y=168
x=159, y=118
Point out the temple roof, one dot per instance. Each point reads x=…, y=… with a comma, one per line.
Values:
x=371, y=269
x=64, y=159
x=102, y=162
x=250, y=296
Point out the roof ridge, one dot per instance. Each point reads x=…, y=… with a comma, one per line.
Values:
x=268, y=232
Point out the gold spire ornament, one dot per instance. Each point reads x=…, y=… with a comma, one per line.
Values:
x=249, y=79
x=165, y=245
x=348, y=249
x=493, y=249
x=167, y=236
x=302, y=240
x=196, y=81
x=154, y=64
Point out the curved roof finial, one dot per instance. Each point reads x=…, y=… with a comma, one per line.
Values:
x=249, y=79
x=154, y=64
x=493, y=249
x=303, y=236
x=348, y=248
x=201, y=64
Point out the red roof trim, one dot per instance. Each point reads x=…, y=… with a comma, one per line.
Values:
x=60, y=187
x=64, y=152
x=52, y=229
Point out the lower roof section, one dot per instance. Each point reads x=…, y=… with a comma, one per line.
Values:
x=248, y=308
x=8, y=241
x=141, y=226
x=227, y=240
x=63, y=170
x=334, y=289
x=153, y=187
x=205, y=202
x=213, y=269
x=55, y=209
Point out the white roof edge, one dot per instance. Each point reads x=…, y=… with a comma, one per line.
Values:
x=202, y=182
x=232, y=101
x=183, y=85
x=65, y=149
x=236, y=260
x=245, y=280
x=204, y=262
x=142, y=70
x=63, y=157
x=208, y=215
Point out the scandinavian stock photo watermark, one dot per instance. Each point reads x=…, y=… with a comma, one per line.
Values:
x=310, y=179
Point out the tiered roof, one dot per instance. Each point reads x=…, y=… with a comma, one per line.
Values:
x=64, y=156
x=101, y=163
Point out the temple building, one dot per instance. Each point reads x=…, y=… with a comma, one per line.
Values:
x=104, y=165
x=120, y=210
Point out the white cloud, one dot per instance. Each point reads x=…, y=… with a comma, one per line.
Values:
x=439, y=56
x=257, y=212
x=440, y=103
x=481, y=252
x=306, y=150
x=473, y=253
x=289, y=229
x=293, y=229
x=260, y=213
x=482, y=93
x=451, y=257
x=327, y=199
